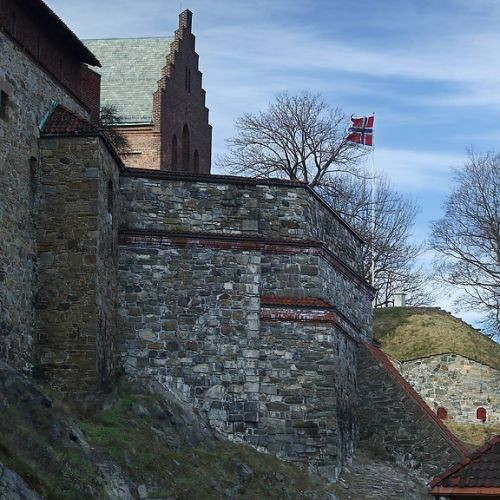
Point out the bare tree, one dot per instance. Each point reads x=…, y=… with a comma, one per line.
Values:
x=388, y=233
x=303, y=138
x=108, y=120
x=298, y=137
x=467, y=238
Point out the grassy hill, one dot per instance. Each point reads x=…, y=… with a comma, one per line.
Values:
x=414, y=332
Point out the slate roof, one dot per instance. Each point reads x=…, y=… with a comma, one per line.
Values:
x=63, y=121
x=131, y=68
x=480, y=469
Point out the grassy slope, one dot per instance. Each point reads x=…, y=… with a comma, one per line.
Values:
x=57, y=449
x=411, y=332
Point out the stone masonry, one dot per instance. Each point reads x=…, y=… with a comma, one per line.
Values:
x=77, y=239
x=456, y=383
x=396, y=421
x=216, y=280
x=29, y=90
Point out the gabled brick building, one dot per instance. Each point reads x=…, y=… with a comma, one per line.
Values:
x=154, y=85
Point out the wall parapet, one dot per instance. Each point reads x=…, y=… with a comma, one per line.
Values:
x=238, y=180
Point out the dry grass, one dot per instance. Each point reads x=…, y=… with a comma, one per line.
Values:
x=473, y=435
x=414, y=332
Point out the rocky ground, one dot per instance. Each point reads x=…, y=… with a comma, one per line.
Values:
x=144, y=444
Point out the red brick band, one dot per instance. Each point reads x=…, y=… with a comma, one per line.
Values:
x=248, y=243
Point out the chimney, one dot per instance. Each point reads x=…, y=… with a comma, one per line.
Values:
x=186, y=20
x=399, y=299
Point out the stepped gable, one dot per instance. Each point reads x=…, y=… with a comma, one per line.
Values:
x=155, y=87
x=477, y=474
x=131, y=68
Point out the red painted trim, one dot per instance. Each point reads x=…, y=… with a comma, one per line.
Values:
x=238, y=242
x=233, y=179
x=384, y=361
x=274, y=315
x=456, y=491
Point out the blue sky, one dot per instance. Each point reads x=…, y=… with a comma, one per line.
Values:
x=429, y=70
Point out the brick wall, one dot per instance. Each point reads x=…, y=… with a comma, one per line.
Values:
x=179, y=114
x=77, y=254
x=30, y=90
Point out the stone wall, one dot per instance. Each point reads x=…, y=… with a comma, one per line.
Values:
x=30, y=90
x=196, y=259
x=458, y=384
x=397, y=423
x=236, y=206
x=77, y=231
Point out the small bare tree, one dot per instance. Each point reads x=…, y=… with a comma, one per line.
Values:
x=467, y=238
x=108, y=120
x=298, y=137
x=388, y=233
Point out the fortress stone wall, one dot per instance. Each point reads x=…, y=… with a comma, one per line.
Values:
x=28, y=90
x=458, y=384
x=233, y=295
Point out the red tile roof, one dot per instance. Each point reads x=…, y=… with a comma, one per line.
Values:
x=478, y=470
x=272, y=300
x=63, y=121
x=390, y=369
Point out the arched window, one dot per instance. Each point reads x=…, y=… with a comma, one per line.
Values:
x=185, y=149
x=196, y=162
x=442, y=413
x=481, y=414
x=175, y=161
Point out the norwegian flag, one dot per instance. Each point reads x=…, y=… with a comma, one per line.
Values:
x=361, y=131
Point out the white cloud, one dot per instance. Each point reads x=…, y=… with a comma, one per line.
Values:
x=415, y=170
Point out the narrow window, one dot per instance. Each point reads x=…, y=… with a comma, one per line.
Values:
x=174, y=153
x=481, y=414
x=110, y=200
x=33, y=180
x=3, y=105
x=189, y=81
x=196, y=162
x=185, y=78
x=185, y=149
x=442, y=413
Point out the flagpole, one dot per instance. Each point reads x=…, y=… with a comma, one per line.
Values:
x=373, y=205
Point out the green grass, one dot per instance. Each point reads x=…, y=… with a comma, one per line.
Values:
x=414, y=332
